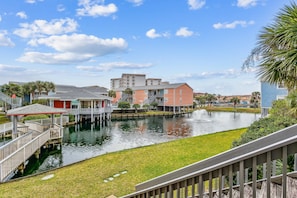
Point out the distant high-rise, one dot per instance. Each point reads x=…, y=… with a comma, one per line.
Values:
x=133, y=80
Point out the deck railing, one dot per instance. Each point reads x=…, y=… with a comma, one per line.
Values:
x=5, y=127
x=15, y=159
x=88, y=111
x=233, y=172
x=14, y=145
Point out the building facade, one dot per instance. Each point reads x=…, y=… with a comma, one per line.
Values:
x=169, y=97
x=270, y=93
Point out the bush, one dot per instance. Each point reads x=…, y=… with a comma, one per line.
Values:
x=263, y=127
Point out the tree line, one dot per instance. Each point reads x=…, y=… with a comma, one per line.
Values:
x=30, y=88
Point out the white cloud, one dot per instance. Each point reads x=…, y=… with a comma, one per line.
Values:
x=60, y=8
x=4, y=40
x=32, y=1
x=90, y=8
x=42, y=27
x=196, y=4
x=0, y=18
x=153, y=34
x=246, y=3
x=232, y=25
x=73, y=48
x=136, y=2
x=114, y=65
x=10, y=68
x=22, y=15
x=184, y=32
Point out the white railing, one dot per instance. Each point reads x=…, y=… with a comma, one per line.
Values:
x=56, y=132
x=14, y=145
x=15, y=159
x=48, y=121
x=88, y=111
x=6, y=127
x=234, y=172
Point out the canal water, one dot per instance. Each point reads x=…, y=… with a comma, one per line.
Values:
x=85, y=141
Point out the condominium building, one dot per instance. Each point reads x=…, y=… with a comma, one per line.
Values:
x=128, y=80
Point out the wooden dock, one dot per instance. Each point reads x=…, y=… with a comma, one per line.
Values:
x=133, y=116
x=14, y=154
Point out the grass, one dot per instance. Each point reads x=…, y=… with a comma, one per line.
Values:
x=232, y=109
x=3, y=118
x=86, y=179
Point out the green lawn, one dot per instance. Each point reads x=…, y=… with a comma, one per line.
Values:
x=86, y=179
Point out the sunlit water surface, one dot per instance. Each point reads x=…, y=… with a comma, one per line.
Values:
x=86, y=141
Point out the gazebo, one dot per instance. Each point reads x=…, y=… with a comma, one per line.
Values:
x=34, y=109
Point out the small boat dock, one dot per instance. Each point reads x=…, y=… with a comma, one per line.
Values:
x=27, y=139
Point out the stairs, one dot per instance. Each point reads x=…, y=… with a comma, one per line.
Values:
x=14, y=102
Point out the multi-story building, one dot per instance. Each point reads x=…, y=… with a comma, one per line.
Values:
x=153, y=81
x=128, y=80
x=169, y=97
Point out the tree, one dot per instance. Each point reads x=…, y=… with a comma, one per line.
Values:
x=136, y=106
x=146, y=106
x=124, y=105
x=235, y=101
x=154, y=105
x=129, y=93
x=12, y=89
x=255, y=99
x=48, y=86
x=210, y=98
x=39, y=86
x=112, y=94
x=276, y=50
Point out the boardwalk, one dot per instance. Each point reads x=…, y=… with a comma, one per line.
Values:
x=27, y=139
x=14, y=154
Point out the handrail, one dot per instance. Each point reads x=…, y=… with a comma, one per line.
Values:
x=14, y=102
x=14, y=145
x=239, y=160
x=12, y=161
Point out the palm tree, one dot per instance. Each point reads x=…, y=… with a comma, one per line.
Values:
x=255, y=99
x=129, y=93
x=48, y=86
x=235, y=101
x=39, y=86
x=276, y=50
x=112, y=93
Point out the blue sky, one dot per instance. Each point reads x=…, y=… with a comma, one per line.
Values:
x=87, y=42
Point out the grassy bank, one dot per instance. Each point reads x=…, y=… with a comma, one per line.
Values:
x=86, y=179
x=232, y=109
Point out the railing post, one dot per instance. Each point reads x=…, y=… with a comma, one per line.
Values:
x=254, y=177
x=230, y=180
x=241, y=178
x=220, y=182
x=268, y=173
x=209, y=185
x=285, y=163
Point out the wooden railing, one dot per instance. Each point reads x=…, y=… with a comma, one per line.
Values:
x=5, y=127
x=234, y=171
x=15, y=159
x=88, y=111
x=14, y=145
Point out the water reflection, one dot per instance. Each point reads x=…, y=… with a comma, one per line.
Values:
x=89, y=140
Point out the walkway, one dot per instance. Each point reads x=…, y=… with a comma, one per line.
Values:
x=27, y=139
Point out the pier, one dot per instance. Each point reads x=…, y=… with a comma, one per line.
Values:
x=27, y=139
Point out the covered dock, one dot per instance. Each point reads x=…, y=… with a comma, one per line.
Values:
x=28, y=139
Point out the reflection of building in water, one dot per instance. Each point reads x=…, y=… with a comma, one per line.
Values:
x=179, y=129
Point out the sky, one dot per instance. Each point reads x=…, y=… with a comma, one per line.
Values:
x=88, y=42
